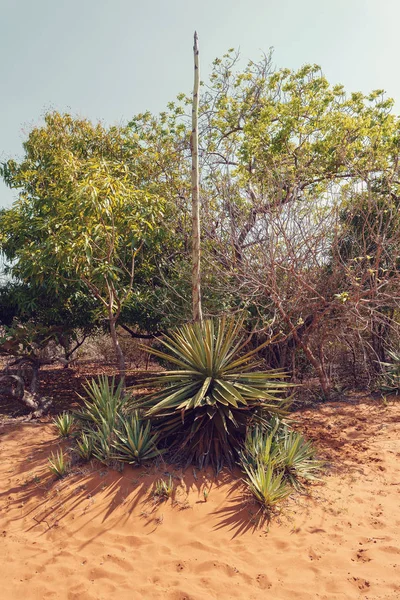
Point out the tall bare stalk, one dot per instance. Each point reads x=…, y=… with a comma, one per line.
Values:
x=194, y=145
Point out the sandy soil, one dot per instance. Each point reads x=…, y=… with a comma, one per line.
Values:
x=98, y=534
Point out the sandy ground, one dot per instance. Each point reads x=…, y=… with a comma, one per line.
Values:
x=98, y=534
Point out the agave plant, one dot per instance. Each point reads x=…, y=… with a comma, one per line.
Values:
x=103, y=405
x=203, y=407
x=99, y=417
x=85, y=446
x=297, y=458
x=64, y=424
x=164, y=489
x=102, y=440
x=58, y=464
x=287, y=451
x=135, y=443
x=267, y=486
x=261, y=447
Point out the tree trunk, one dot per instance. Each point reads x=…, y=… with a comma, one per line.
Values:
x=118, y=350
x=322, y=375
x=194, y=145
x=16, y=386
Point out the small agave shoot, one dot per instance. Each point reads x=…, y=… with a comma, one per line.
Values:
x=135, y=443
x=202, y=408
x=164, y=489
x=58, y=464
x=276, y=461
x=298, y=459
x=104, y=404
x=108, y=432
x=267, y=485
x=85, y=446
x=260, y=447
x=64, y=424
x=102, y=410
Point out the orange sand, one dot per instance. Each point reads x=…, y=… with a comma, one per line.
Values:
x=99, y=535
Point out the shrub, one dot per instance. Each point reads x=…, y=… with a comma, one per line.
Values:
x=203, y=407
x=64, y=424
x=58, y=465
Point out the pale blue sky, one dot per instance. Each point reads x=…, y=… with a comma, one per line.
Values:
x=109, y=59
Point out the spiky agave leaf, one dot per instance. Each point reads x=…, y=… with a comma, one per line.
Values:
x=260, y=447
x=135, y=443
x=102, y=406
x=64, y=423
x=266, y=484
x=102, y=439
x=85, y=446
x=58, y=464
x=298, y=459
x=203, y=407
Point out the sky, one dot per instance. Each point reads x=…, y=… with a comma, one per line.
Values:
x=110, y=59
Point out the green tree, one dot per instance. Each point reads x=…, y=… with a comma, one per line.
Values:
x=85, y=211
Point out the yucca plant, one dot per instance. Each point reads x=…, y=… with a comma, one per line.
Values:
x=104, y=404
x=203, y=407
x=103, y=439
x=64, y=424
x=58, y=464
x=85, y=446
x=261, y=446
x=267, y=486
x=135, y=443
x=103, y=408
x=298, y=458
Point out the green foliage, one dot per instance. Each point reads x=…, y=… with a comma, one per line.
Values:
x=86, y=210
x=69, y=309
x=108, y=431
x=298, y=458
x=267, y=486
x=135, y=443
x=58, y=464
x=26, y=339
x=276, y=461
x=102, y=439
x=64, y=424
x=104, y=404
x=261, y=447
x=391, y=377
x=100, y=415
x=85, y=446
x=203, y=408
